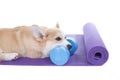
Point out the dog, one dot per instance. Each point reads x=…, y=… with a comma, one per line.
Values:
x=30, y=41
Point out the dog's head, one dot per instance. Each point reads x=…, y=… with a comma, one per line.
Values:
x=52, y=37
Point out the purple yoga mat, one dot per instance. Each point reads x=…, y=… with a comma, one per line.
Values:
x=91, y=51
x=96, y=51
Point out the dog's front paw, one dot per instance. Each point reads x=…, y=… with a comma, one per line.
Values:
x=44, y=56
x=12, y=56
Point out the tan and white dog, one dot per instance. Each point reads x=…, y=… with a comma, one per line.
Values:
x=30, y=41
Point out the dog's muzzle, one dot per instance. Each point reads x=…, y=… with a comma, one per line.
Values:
x=69, y=46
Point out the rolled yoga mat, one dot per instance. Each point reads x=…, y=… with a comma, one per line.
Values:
x=91, y=51
x=96, y=51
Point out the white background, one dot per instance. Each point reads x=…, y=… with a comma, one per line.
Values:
x=71, y=15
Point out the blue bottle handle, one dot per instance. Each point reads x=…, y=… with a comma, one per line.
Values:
x=74, y=45
x=60, y=54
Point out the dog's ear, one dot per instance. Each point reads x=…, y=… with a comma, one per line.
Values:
x=57, y=25
x=38, y=32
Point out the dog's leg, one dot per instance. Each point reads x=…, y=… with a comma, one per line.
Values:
x=8, y=56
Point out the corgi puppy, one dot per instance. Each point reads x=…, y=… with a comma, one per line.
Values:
x=30, y=41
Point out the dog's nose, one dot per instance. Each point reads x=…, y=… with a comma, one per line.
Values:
x=69, y=46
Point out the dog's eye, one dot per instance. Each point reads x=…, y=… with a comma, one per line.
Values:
x=58, y=38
